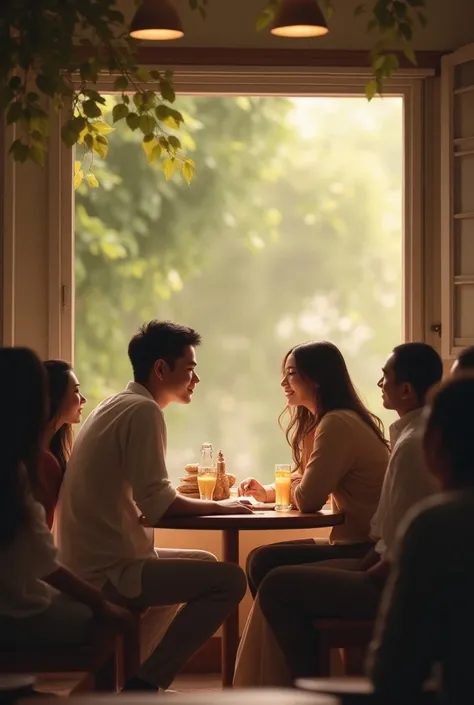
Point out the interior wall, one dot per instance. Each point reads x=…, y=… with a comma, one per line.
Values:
x=231, y=23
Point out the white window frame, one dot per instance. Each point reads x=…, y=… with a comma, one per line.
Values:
x=451, y=344
x=311, y=82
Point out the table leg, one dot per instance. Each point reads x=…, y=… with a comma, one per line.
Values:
x=230, y=628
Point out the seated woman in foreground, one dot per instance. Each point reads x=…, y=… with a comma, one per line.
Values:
x=338, y=449
x=427, y=614
x=32, y=611
x=65, y=409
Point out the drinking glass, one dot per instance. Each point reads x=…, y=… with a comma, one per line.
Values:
x=282, y=488
x=207, y=478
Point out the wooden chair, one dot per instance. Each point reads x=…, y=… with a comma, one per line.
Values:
x=353, y=636
x=100, y=662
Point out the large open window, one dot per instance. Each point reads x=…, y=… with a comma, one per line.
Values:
x=293, y=230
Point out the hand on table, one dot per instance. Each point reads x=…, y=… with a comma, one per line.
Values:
x=253, y=488
x=234, y=506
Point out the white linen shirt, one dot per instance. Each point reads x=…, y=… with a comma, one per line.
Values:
x=407, y=481
x=25, y=561
x=117, y=471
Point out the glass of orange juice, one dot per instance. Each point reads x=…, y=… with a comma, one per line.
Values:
x=282, y=488
x=207, y=478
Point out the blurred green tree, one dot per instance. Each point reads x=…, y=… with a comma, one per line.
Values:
x=291, y=231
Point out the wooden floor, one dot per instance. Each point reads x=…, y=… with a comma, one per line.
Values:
x=62, y=685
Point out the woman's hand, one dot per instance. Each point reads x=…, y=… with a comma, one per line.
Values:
x=253, y=488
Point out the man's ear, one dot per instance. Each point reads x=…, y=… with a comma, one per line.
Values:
x=159, y=368
x=408, y=390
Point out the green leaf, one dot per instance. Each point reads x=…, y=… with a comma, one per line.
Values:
x=91, y=109
x=410, y=54
x=40, y=124
x=264, y=19
x=101, y=146
x=156, y=153
x=162, y=112
x=174, y=143
x=133, y=121
x=149, y=142
x=188, y=170
x=147, y=124
x=168, y=166
x=95, y=96
x=68, y=135
x=19, y=151
x=167, y=91
x=120, y=83
x=143, y=74
x=422, y=19
x=78, y=178
x=14, y=112
x=371, y=89
x=119, y=112
x=102, y=127
x=92, y=180
x=37, y=153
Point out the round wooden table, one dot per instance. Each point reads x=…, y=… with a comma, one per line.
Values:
x=230, y=525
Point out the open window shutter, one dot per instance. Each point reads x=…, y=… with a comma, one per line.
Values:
x=457, y=201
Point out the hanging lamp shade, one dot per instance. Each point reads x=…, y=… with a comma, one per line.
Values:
x=156, y=20
x=299, y=19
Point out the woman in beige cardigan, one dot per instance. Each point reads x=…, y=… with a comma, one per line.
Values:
x=339, y=450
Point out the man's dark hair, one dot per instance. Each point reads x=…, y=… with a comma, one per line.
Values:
x=451, y=415
x=418, y=364
x=159, y=340
x=466, y=359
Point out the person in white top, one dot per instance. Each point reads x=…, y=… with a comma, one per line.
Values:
x=292, y=597
x=41, y=602
x=116, y=473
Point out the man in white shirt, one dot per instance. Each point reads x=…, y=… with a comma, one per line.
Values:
x=292, y=597
x=116, y=473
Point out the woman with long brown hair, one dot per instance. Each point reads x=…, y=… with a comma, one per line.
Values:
x=41, y=602
x=339, y=450
x=65, y=409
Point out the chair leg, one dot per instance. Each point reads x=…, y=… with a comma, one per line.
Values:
x=105, y=677
x=354, y=660
x=323, y=660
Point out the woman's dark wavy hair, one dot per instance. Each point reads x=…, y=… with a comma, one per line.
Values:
x=323, y=366
x=23, y=384
x=58, y=375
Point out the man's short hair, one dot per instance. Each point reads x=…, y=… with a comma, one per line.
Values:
x=418, y=364
x=465, y=359
x=159, y=340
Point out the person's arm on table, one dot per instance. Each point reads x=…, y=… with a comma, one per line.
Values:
x=251, y=487
x=148, y=476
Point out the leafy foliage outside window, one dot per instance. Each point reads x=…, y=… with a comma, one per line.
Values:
x=52, y=53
